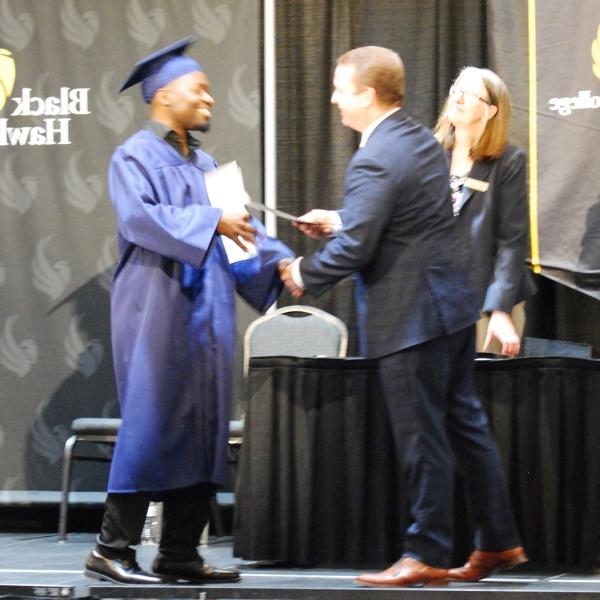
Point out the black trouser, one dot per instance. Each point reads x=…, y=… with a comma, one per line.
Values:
x=185, y=514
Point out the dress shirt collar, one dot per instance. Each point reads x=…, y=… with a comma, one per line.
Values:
x=366, y=134
x=171, y=137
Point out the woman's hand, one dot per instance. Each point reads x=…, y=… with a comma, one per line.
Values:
x=502, y=329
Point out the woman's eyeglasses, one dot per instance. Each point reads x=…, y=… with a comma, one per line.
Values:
x=468, y=97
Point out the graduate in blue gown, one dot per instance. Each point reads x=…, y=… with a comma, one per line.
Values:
x=173, y=327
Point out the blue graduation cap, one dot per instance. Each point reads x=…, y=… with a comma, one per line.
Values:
x=161, y=67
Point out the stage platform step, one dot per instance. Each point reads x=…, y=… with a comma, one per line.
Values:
x=37, y=498
x=33, y=498
x=37, y=566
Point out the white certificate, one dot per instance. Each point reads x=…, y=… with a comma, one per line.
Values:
x=225, y=187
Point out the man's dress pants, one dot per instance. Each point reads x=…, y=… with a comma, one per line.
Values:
x=438, y=423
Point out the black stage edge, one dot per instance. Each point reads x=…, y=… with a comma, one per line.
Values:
x=37, y=566
x=16, y=590
x=510, y=588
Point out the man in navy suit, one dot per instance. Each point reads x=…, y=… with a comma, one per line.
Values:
x=417, y=313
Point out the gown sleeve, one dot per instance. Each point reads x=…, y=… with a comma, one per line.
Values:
x=185, y=234
x=257, y=278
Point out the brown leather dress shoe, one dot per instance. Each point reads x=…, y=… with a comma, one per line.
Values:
x=407, y=571
x=481, y=564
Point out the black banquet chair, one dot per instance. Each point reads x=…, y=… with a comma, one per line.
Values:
x=84, y=431
x=295, y=330
x=534, y=346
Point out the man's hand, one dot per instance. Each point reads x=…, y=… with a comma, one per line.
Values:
x=501, y=328
x=285, y=272
x=282, y=264
x=316, y=223
x=236, y=225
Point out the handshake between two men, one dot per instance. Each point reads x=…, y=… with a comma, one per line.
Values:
x=316, y=223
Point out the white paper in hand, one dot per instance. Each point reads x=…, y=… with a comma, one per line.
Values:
x=225, y=187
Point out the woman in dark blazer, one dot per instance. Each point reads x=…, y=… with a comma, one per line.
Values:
x=489, y=197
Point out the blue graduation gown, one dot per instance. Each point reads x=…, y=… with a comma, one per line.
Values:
x=173, y=318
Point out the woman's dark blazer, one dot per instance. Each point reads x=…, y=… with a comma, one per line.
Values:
x=494, y=222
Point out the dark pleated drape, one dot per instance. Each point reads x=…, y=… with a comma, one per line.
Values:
x=544, y=415
x=435, y=38
x=556, y=311
x=317, y=474
x=313, y=149
x=318, y=482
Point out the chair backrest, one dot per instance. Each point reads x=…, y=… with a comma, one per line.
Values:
x=295, y=331
x=533, y=346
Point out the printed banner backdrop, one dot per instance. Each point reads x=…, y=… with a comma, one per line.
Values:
x=567, y=182
x=61, y=65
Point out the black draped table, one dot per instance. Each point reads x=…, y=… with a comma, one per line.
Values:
x=317, y=481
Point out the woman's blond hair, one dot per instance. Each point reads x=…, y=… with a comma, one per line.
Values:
x=494, y=138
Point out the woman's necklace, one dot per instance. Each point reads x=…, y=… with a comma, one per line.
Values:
x=456, y=186
x=457, y=181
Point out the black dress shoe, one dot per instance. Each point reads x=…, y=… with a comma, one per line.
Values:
x=193, y=571
x=117, y=570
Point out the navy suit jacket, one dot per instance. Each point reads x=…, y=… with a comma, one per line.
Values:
x=494, y=224
x=399, y=236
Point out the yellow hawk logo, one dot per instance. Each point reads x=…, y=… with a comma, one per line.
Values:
x=596, y=54
x=7, y=75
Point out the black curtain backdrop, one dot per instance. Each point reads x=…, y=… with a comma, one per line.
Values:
x=56, y=225
x=435, y=38
x=556, y=311
x=313, y=148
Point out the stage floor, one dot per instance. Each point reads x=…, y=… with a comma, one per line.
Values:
x=38, y=566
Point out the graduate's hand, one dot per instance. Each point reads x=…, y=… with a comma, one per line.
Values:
x=316, y=223
x=236, y=225
x=501, y=328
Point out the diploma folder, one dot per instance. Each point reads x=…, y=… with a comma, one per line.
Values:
x=225, y=188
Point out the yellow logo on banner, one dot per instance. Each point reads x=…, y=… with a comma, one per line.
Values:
x=7, y=75
x=596, y=55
